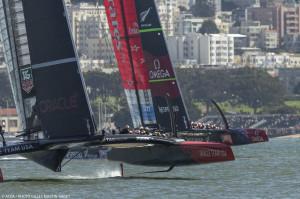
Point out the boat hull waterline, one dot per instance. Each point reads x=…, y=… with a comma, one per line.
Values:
x=181, y=153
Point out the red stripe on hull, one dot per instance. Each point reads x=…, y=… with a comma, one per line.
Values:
x=257, y=135
x=207, y=152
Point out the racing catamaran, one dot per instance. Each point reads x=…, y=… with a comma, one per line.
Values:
x=141, y=51
x=52, y=102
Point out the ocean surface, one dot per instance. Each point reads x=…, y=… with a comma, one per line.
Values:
x=267, y=170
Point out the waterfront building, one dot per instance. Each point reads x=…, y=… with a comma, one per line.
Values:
x=168, y=11
x=252, y=29
x=270, y=60
x=289, y=20
x=186, y=23
x=266, y=16
x=208, y=49
x=269, y=40
x=9, y=120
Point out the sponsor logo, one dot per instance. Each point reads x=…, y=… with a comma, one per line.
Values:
x=144, y=15
x=26, y=80
x=75, y=155
x=143, y=138
x=59, y=104
x=212, y=153
x=158, y=72
x=147, y=109
x=16, y=149
x=111, y=139
x=165, y=109
x=257, y=139
x=134, y=29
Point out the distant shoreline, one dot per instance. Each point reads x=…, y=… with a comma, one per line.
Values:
x=291, y=136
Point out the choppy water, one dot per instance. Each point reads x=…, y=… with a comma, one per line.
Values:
x=268, y=170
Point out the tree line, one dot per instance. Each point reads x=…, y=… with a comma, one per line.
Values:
x=252, y=87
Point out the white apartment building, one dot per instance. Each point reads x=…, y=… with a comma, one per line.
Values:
x=212, y=49
x=187, y=23
x=289, y=20
x=268, y=60
x=269, y=39
x=90, y=32
x=168, y=11
x=217, y=49
x=9, y=120
x=294, y=61
x=176, y=48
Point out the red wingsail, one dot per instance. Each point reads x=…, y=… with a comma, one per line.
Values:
x=127, y=44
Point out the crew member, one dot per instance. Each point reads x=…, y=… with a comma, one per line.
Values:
x=2, y=135
x=125, y=130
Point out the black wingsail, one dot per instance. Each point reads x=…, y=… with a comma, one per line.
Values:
x=164, y=87
x=44, y=71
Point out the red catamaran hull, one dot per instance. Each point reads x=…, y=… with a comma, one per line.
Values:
x=179, y=154
x=257, y=135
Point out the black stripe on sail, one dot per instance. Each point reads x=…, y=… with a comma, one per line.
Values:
x=165, y=91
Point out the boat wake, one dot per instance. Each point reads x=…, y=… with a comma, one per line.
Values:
x=13, y=158
x=98, y=175
x=67, y=178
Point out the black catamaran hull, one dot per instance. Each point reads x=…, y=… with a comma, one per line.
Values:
x=131, y=149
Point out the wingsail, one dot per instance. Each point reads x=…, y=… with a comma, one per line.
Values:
x=127, y=46
x=146, y=70
x=168, y=104
x=45, y=76
x=46, y=80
